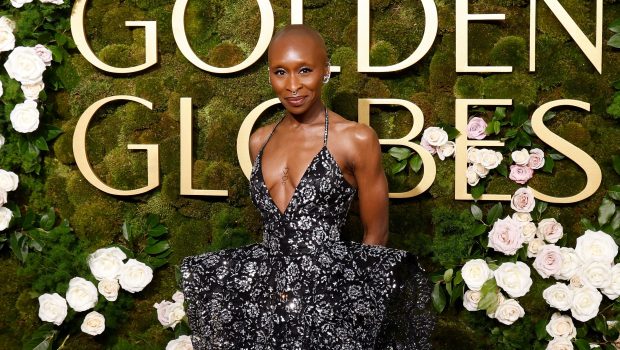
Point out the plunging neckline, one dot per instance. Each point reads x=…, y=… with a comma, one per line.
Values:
x=259, y=159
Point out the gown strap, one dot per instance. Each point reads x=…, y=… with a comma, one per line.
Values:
x=271, y=133
x=326, y=128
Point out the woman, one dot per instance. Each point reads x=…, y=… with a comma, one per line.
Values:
x=303, y=288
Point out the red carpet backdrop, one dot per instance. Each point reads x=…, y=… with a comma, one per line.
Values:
x=124, y=148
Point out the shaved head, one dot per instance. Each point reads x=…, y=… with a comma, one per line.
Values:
x=295, y=32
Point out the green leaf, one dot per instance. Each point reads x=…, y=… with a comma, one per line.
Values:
x=476, y=212
x=458, y=279
x=549, y=115
x=477, y=190
x=157, y=248
x=600, y=324
x=541, y=330
x=605, y=211
x=616, y=163
x=478, y=230
x=51, y=132
x=152, y=220
x=615, y=26
x=615, y=222
x=447, y=276
x=126, y=230
x=28, y=221
x=548, y=167
x=614, y=41
x=399, y=153
x=48, y=219
x=519, y=115
x=490, y=129
x=157, y=231
x=587, y=224
x=540, y=207
x=582, y=344
x=496, y=127
x=439, y=298
x=616, y=84
x=488, y=295
x=398, y=167
x=502, y=168
x=41, y=144
x=415, y=163
x=500, y=113
x=494, y=214
x=614, y=192
x=527, y=127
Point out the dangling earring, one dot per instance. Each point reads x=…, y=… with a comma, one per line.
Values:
x=327, y=76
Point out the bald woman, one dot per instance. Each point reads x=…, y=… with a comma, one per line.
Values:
x=302, y=287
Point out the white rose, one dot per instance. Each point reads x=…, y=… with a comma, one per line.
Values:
x=169, y=314
x=82, y=294
x=560, y=344
x=135, y=275
x=7, y=39
x=93, y=324
x=489, y=158
x=55, y=2
x=509, y=311
x=109, y=288
x=571, y=263
x=586, y=301
x=183, y=342
x=528, y=231
x=522, y=217
x=523, y=200
x=25, y=116
x=471, y=299
x=52, y=308
x=7, y=22
x=534, y=247
x=19, y=3
x=44, y=53
x=2, y=139
x=178, y=296
x=596, y=246
x=473, y=155
x=475, y=272
x=578, y=281
x=597, y=274
x=505, y=236
x=480, y=170
x=3, y=197
x=435, y=136
x=559, y=296
x=5, y=218
x=25, y=65
x=612, y=291
x=521, y=157
x=561, y=326
x=1, y=93
x=550, y=230
x=537, y=158
x=31, y=91
x=446, y=150
x=548, y=261
x=472, y=176
x=106, y=263
x=8, y=180
x=514, y=278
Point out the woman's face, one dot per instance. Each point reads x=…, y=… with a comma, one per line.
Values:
x=297, y=64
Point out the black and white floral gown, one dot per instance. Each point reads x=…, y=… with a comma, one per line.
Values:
x=302, y=287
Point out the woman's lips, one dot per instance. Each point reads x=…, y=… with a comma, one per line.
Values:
x=296, y=101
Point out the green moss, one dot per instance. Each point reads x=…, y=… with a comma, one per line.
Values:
x=551, y=67
x=149, y=4
x=585, y=86
x=97, y=221
x=520, y=87
x=56, y=191
x=510, y=51
x=402, y=26
x=122, y=55
x=383, y=53
x=453, y=238
x=479, y=53
x=468, y=86
x=150, y=88
x=226, y=54
x=113, y=29
x=442, y=70
x=375, y=88
x=578, y=10
x=221, y=176
x=574, y=133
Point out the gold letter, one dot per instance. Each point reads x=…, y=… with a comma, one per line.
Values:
x=79, y=150
x=460, y=156
x=592, y=170
x=418, y=122
x=77, y=31
x=186, y=153
x=243, y=138
x=594, y=53
x=363, y=38
x=462, y=51
x=178, y=30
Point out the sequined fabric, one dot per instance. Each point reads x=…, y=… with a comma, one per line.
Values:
x=303, y=288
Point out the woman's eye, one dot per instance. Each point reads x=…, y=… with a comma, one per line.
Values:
x=307, y=70
x=278, y=72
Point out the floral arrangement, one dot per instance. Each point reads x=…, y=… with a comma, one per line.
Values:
x=584, y=273
x=108, y=268
x=170, y=314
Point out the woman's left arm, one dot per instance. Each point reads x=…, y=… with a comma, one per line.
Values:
x=372, y=185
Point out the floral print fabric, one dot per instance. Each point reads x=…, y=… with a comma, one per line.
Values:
x=303, y=288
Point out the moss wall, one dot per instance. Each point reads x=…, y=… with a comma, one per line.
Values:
x=223, y=33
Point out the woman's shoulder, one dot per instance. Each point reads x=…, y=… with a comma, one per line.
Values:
x=352, y=132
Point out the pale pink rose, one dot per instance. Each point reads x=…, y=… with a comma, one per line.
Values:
x=537, y=158
x=522, y=200
x=475, y=128
x=44, y=53
x=550, y=230
x=427, y=146
x=446, y=150
x=548, y=262
x=520, y=173
x=480, y=170
x=473, y=155
x=505, y=236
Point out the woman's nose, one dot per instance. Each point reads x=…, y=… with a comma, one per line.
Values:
x=293, y=83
